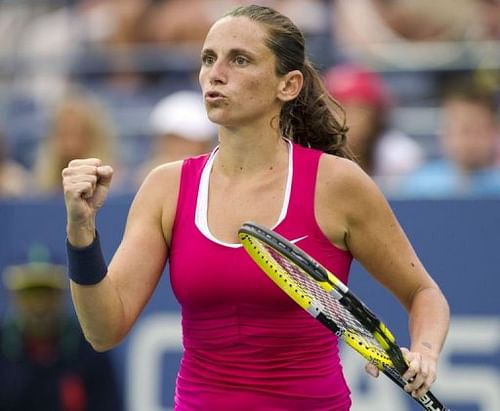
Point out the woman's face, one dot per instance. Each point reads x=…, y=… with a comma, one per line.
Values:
x=238, y=74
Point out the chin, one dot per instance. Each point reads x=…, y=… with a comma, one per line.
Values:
x=219, y=120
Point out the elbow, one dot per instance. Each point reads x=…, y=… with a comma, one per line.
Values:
x=431, y=296
x=103, y=344
x=430, y=289
x=99, y=347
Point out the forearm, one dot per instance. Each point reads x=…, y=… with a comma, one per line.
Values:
x=100, y=312
x=428, y=321
x=97, y=301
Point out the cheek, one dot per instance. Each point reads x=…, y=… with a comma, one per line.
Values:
x=201, y=78
x=260, y=92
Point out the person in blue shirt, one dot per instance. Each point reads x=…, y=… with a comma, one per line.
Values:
x=469, y=142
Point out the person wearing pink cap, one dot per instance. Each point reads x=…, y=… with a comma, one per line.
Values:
x=383, y=152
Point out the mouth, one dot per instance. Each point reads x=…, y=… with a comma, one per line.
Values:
x=213, y=96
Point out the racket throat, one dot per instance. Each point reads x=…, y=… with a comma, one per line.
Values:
x=327, y=322
x=397, y=359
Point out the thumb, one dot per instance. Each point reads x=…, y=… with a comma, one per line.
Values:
x=104, y=176
x=372, y=369
x=406, y=354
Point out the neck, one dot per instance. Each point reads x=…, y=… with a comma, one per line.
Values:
x=248, y=153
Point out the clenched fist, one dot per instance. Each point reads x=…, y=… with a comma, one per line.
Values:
x=86, y=184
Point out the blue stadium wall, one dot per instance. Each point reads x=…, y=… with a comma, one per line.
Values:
x=458, y=241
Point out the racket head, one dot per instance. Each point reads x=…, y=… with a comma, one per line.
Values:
x=327, y=299
x=312, y=287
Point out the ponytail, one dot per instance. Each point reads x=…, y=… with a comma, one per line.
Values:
x=312, y=119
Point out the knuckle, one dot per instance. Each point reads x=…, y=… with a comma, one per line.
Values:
x=413, y=367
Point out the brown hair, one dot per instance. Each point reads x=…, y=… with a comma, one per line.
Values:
x=310, y=120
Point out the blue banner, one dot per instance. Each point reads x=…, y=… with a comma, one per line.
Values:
x=458, y=242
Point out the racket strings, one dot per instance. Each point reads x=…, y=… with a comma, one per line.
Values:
x=331, y=307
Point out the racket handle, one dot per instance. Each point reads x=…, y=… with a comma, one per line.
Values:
x=428, y=401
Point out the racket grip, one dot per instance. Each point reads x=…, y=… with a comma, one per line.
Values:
x=429, y=402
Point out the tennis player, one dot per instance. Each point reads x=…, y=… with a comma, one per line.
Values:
x=281, y=162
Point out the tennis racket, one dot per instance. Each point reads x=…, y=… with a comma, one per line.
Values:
x=330, y=301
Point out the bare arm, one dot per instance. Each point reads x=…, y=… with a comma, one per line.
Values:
x=108, y=309
x=362, y=221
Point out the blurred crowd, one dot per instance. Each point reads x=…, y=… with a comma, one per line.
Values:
x=117, y=79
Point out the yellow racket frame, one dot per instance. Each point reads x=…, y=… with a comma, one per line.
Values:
x=284, y=281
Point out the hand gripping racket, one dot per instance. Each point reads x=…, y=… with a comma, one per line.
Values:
x=330, y=301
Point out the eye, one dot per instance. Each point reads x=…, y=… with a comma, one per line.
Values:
x=241, y=60
x=207, y=59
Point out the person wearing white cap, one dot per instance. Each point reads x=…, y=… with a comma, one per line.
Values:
x=180, y=129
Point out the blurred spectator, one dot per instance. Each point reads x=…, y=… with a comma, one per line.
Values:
x=383, y=152
x=89, y=38
x=79, y=129
x=469, y=141
x=487, y=25
x=189, y=22
x=15, y=180
x=373, y=29
x=45, y=362
x=113, y=30
x=180, y=22
x=180, y=129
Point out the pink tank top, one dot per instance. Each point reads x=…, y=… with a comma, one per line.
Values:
x=247, y=346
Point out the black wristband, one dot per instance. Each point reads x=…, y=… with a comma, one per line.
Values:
x=86, y=265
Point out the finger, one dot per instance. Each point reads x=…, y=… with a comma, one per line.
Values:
x=417, y=383
x=80, y=170
x=372, y=369
x=413, y=360
x=416, y=374
x=86, y=161
x=83, y=189
x=71, y=183
x=428, y=381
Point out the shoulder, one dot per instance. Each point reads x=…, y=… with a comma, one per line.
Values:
x=159, y=189
x=166, y=173
x=345, y=196
x=173, y=169
x=341, y=176
x=160, y=181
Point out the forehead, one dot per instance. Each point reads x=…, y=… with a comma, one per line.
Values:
x=237, y=33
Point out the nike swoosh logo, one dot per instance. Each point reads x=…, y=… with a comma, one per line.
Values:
x=299, y=239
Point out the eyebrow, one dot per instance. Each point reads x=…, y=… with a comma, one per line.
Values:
x=232, y=52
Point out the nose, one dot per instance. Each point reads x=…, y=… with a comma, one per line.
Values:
x=217, y=73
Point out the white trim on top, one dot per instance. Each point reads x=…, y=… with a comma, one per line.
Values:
x=201, y=213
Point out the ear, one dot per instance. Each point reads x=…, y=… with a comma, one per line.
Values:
x=290, y=86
